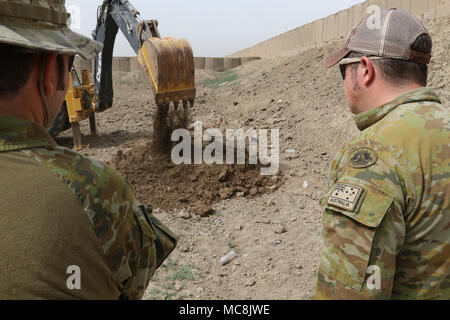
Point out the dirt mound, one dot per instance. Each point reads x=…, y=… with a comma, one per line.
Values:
x=162, y=184
x=277, y=236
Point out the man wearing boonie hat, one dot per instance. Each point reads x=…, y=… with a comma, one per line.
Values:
x=387, y=212
x=70, y=227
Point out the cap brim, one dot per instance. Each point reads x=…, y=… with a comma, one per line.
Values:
x=335, y=57
x=63, y=41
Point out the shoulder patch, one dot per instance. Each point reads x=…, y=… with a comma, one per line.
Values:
x=363, y=158
x=345, y=196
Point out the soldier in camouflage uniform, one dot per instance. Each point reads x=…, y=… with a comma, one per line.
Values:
x=386, y=224
x=61, y=215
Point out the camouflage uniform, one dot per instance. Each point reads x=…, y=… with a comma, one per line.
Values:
x=388, y=205
x=59, y=209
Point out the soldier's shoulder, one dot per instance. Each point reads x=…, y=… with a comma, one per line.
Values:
x=410, y=126
x=101, y=190
x=421, y=116
x=79, y=171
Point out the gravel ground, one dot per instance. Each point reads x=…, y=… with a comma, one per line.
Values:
x=277, y=234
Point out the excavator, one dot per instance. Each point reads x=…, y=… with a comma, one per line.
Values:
x=168, y=64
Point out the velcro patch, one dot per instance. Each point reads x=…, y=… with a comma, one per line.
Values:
x=345, y=196
x=363, y=158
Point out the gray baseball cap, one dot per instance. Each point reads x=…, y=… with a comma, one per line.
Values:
x=41, y=25
x=393, y=38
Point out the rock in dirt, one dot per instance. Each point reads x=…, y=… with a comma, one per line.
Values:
x=228, y=258
x=184, y=214
x=225, y=193
x=280, y=230
x=223, y=176
x=178, y=286
x=203, y=210
x=250, y=282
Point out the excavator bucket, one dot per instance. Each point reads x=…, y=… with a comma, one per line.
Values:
x=169, y=64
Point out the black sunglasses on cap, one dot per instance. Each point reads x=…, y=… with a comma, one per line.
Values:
x=348, y=61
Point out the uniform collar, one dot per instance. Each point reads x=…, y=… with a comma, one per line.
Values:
x=17, y=134
x=368, y=118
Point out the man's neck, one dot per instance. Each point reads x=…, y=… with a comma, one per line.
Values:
x=386, y=94
x=18, y=107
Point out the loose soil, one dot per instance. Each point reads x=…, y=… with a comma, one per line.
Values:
x=166, y=185
x=275, y=233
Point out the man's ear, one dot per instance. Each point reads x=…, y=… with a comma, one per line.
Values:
x=368, y=71
x=50, y=76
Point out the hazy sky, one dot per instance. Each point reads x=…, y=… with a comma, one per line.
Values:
x=216, y=28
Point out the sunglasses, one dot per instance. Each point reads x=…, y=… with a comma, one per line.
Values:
x=348, y=61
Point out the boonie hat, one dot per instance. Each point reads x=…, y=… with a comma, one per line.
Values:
x=393, y=38
x=41, y=25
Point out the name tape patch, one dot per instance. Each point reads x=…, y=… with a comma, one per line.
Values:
x=345, y=196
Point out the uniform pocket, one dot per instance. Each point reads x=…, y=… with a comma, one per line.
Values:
x=349, y=233
x=165, y=240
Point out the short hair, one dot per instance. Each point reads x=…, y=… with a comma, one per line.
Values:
x=401, y=72
x=16, y=66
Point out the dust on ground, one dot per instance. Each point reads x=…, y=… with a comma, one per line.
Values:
x=276, y=234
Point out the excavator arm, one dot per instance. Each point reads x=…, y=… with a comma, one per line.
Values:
x=168, y=63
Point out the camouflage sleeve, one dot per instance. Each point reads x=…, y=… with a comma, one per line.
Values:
x=363, y=226
x=133, y=245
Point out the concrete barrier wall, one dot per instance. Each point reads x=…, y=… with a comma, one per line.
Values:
x=200, y=62
x=231, y=63
x=338, y=26
x=332, y=28
x=131, y=64
x=215, y=64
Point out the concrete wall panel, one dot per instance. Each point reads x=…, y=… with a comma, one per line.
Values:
x=215, y=64
x=419, y=6
x=378, y=3
x=393, y=4
x=135, y=65
x=231, y=63
x=123, y=63
x=318, y=31
x=335, y=29
x=406, y=5
x=342, y=25
x=357, y=14
x=307, y=34
x=199, y=62
x=328, y=28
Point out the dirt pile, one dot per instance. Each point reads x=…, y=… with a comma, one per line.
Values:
x=162, y=184
x=277, y=235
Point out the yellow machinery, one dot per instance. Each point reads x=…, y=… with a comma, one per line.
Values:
x=168, y=63
x=80, y=105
